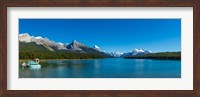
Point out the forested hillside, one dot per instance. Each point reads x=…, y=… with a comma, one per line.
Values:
x=161, y=55
x=33, y=50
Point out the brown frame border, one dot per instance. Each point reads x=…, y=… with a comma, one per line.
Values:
x=99, y=3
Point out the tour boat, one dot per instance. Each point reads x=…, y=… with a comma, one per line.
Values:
x=34, y=64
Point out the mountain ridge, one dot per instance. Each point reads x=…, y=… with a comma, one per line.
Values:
x=75, y=46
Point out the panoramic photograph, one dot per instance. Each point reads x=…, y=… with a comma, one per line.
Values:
x=99, y=48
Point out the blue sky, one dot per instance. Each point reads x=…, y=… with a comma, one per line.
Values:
x=111, y=35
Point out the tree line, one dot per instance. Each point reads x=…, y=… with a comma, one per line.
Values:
x=58, y=55
x=161, y=56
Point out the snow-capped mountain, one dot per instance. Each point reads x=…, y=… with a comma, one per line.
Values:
x=25, y=37
x=50, y=45
x=97, y=48
x=75, y=46
x=140, y=51
x=66, y=44
x=137, y=52
x=41, y=41
x=116, y=54
x=133, y=53
x=113, y=54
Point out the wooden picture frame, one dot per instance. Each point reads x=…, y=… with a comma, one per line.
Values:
x=99, y=93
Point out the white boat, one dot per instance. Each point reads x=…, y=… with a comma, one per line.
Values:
x=33, y=65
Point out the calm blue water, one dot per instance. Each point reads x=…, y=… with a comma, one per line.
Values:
x=105, y=68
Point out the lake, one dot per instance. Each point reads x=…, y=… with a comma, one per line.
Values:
x=104, y=68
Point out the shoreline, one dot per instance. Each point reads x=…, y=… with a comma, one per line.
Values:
x=58, y=59
x=21, y=60
x=154, y=58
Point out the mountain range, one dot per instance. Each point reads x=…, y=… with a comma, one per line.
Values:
x=39, y=43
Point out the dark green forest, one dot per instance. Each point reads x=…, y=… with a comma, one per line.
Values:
x=32, y=50
x=57, y=55
x=161, y=55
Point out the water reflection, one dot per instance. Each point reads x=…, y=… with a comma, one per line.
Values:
x=104, y=68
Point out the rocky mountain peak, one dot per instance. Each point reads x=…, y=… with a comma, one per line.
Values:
x=25, y=37
x=77, y=44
